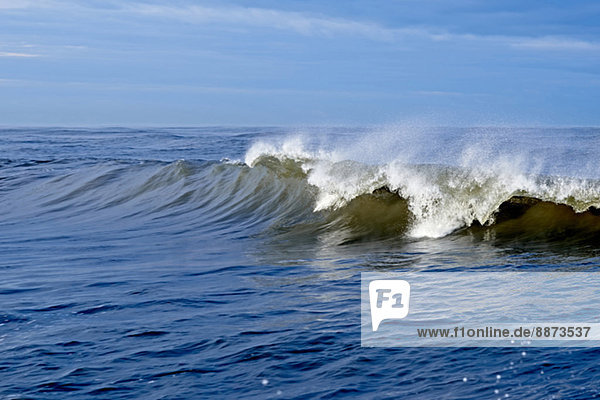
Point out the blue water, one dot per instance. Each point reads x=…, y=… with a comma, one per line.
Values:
x=158, y=264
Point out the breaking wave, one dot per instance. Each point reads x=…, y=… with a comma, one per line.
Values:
x=294, y=193
x=433, y=200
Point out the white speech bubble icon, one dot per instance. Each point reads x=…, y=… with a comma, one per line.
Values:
x=389, y=300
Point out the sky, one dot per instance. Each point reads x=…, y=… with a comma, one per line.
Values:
x=292, y=62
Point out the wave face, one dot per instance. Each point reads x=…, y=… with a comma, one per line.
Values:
x=297, y=191
x=288, y=188
x=431, y=200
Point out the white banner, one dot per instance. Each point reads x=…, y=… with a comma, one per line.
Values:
x=474, y=309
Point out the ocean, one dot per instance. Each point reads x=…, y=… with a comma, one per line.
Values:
x=218, y=262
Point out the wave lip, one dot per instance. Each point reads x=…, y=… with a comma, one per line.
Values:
x=432, y=200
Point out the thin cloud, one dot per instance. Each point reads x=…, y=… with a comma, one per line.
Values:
x=559, y=43
x=12, y=54
x=554, y=43
x=437, y=93
x=306, y=24
x=315, y=25
x=302, y=23
x=24, y=4
x=14, y=4
x=175, y=88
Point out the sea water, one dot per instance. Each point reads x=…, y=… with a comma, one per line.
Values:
x=225, y=262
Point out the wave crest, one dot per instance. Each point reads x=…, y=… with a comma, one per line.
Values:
x=438, y=199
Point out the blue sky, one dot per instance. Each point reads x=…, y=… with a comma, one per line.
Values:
x=291, y=62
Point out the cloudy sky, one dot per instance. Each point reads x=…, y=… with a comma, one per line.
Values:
x=290, y=62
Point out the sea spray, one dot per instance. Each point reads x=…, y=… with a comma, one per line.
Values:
x=441, y=198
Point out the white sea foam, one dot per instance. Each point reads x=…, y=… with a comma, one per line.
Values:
x=442, y=198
